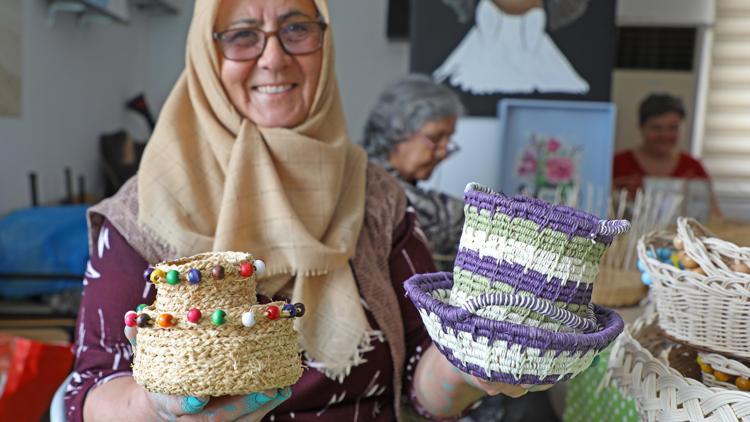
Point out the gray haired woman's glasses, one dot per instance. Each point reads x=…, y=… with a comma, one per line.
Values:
x=296, y=38
x=434, y=144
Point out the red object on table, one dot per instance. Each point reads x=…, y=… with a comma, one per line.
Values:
x=34, y=372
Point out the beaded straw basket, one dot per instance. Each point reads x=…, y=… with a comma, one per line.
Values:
x=517, y=307
x=707, y=304
x=205, y=335
x=638, y=367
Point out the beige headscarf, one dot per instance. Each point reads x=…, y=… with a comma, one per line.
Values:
x=211, y=179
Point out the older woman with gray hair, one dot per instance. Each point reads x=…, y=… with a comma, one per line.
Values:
x=409, y=133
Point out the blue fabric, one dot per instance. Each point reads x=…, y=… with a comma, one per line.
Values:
x=43, y=240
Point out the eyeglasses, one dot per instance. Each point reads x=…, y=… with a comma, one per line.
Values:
x=296, y=38
x=434, y=143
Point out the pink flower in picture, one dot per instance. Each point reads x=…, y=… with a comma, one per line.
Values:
x=527, y=167
x=560, y=170
x=553, y=145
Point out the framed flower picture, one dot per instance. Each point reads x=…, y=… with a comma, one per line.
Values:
x=559, y=151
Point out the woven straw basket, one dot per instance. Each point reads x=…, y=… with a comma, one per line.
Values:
x=712, y=311
x=233, y=346
x=517, y=307
x=661, y=392
x=618, y=288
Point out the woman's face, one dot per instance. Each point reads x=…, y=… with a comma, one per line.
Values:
x=276, y=89
x=661, y=133
x=417, y=156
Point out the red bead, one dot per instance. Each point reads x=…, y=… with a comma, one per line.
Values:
x=194, y=315
x=130, y=318
x=273, y=312
x=246, y=269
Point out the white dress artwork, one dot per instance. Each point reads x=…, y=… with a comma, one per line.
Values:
x=509, y=54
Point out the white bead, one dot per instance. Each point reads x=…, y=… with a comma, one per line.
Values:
x=248, y=319
x=260, y=266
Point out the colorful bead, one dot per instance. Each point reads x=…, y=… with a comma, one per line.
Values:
x=157, y=275
x=165, y=320
x=742, y=383
x=664, y=253
x=288, y=309
x=640, y=266
x=147, y=273
x=194, y=276
x=173, y=277
x=217, y=272
x=260, y=266
x=721, y=376
x=218, y=317
x=246, y=269
x=130, y=317
x=272, y=312
x=248, y=319
x=194, y=315
x=141, y=307
x=300, y=308
x=143, y=320
x=646, y=279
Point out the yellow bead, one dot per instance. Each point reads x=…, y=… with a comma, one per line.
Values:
x=742, y=383
x=707, y=368
x=687, y=261
x=157, y=275
x=722, y=376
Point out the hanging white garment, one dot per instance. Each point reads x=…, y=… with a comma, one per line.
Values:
x=509, y=54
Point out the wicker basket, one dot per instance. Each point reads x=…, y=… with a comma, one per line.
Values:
x=502, y=351
x=709, y=312
x=661, y=392
x=230, y=346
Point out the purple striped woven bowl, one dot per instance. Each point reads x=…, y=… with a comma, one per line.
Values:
x=501, y=351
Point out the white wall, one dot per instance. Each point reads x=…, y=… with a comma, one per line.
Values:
x=76, y=79
x=365, y=60
x=74, y=82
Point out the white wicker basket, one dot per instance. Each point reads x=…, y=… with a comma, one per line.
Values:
x=660, y=392
x=710, y=312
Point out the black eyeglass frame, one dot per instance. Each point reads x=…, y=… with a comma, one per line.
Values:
x=218, y=36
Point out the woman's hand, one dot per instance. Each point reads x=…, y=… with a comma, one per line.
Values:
x=252, y=407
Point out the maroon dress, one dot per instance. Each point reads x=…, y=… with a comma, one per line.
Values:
x=114, y=284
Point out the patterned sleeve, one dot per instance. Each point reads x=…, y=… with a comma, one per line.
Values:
x=113, y=285
x=410, y=255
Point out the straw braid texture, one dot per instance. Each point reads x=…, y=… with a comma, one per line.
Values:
x=520, y=244
x=208, y=360
x=709, y=312
x=660, y=392
x=725, y=365
x=618, y=288
x=502, y=351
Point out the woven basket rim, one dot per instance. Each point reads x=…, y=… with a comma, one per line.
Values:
x=568, y=220
x=419, y=288
x=232, y=257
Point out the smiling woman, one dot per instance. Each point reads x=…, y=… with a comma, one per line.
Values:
x=271, y=59
x=250, y=153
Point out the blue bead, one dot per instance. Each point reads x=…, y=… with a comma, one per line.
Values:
x=289, y=308
x=664, y=253
x=640, y=266
x=650, y=253
x=194, y=276
x=646, y=279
